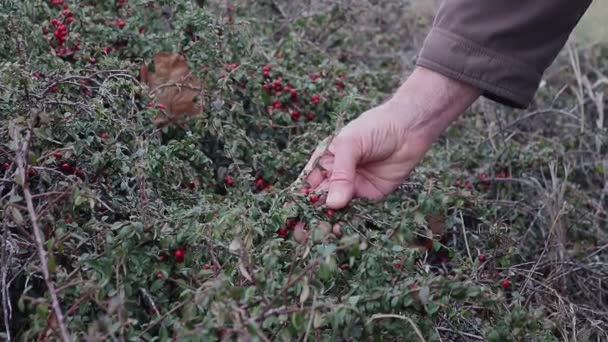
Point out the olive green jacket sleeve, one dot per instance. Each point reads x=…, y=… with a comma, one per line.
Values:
x=500, y=46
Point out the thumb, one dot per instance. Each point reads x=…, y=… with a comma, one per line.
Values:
x=342, y=181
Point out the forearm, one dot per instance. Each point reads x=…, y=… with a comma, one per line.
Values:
x=429, y=102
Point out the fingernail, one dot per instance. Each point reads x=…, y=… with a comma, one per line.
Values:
x=333, y=198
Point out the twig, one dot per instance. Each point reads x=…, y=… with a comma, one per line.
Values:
x=161, y=318
x=461, y=333
x=5, y=295
x=21, y=163
x=404, y=318
x=464, y=234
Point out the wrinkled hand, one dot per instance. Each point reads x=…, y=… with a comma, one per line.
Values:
x=369, y=158
x=373, y=154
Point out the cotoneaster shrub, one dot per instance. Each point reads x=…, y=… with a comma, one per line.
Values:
x=199, y=230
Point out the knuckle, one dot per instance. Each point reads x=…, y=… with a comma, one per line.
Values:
x=341, y=176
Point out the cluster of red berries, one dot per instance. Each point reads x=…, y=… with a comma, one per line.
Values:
x=289, y=225
x=66, y=167
x=463, y=184
x=276, y=87
x=61, y=32
x=60, y=29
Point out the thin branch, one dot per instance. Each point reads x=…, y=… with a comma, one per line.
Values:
x=404, y=318
x=42, y=254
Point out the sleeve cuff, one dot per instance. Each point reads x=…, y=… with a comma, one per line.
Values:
x=500, y=78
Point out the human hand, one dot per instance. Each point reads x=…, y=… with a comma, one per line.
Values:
x=373, y=154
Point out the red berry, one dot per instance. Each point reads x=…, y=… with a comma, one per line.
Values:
x=31, y=172
x=162, y=258
x=305, y=190
x=397, y=265
x=229, y=180
x=206, y=267
x=92, y=60
x=57, y=2
x=313, y=198
x=339, y=85
x=315, y=77
x=104, y=135
x=68, y=220
x=6, y=166
x=294, y=94
x=295, y=115
x=282, y=232
x=330, y=213
x=120, y=23
x=161, y=106
x=67, y=168
x=482, y=258
x=457, y=184
x=57, y=155
x=107, y=50
x=79, y=173
x=69, y=20
x=65, y=6
x=276, y=105
x=505, y=284
x=344, y=267
x=159, y=275
x=266, y=73
x=291, y=223
x=315, y=99
x=45, y=31
x=260, y=183
x=310, y=116
x=428, y=245
x=179, y=255
x=267, y=67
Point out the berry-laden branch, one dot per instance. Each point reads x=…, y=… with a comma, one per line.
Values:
x=27, y=195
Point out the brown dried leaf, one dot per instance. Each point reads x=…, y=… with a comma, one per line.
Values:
x=173, y=85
